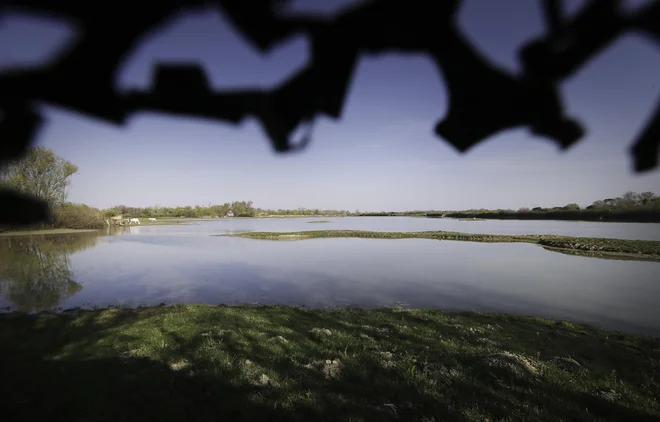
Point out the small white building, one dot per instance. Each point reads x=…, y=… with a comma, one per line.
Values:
x=230, y=214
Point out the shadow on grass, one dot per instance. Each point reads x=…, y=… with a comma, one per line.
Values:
x=206, y=363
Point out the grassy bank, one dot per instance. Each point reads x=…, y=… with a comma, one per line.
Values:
x=49, y=230
x=39, y=232
x=584, y=246
x=208, y=363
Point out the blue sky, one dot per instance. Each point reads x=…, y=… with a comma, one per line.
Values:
x=382, y=155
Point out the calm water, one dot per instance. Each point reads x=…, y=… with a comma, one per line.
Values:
x=182, y=263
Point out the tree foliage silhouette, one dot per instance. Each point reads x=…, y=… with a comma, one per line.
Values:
x=483, y=99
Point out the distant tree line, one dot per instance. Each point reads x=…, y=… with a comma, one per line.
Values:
x=395, y=214
x=237, y=209
x=631, y=206
x=305, y=211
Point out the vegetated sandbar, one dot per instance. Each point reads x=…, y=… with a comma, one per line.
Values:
x=239, y=363
x=647, y=250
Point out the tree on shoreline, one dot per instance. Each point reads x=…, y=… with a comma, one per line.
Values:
x=45, y=175
x=41, y=173
x=629, y=201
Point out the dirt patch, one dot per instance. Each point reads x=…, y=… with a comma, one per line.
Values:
x=567, y=364
x=264, y=380
x=449, y=373
x=278, y=339
x=516, y=364
x=320, y=332
x=179, y=365
x=385, y=359
x=493, y=327
x=609, y=395
x=329, y=368
x=488, y=342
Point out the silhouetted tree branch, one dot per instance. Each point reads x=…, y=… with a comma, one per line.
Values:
x=484, y=99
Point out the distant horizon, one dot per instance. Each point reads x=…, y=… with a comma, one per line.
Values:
x=381, y=155
x=256, y=205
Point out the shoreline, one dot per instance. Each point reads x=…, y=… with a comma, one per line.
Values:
x=642, y=250
x=291, y=363
x=40, y=232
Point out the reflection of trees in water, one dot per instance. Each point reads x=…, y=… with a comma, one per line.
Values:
x=118, y=230
x=34, y=270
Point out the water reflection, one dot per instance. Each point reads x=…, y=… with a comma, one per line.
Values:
x=35, y=271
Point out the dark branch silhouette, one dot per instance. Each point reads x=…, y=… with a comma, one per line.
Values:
x=483, y=99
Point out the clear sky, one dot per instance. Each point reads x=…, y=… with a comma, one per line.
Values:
x=382, y=155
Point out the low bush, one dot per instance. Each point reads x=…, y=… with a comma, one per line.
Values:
x=77, y=216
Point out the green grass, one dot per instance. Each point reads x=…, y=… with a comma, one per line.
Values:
x=211, y=363
x=646, y=250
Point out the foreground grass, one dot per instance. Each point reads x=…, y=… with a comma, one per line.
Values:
x=647, y=250
x=209, y=363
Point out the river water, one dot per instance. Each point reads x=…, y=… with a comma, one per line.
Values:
x=184, y=264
